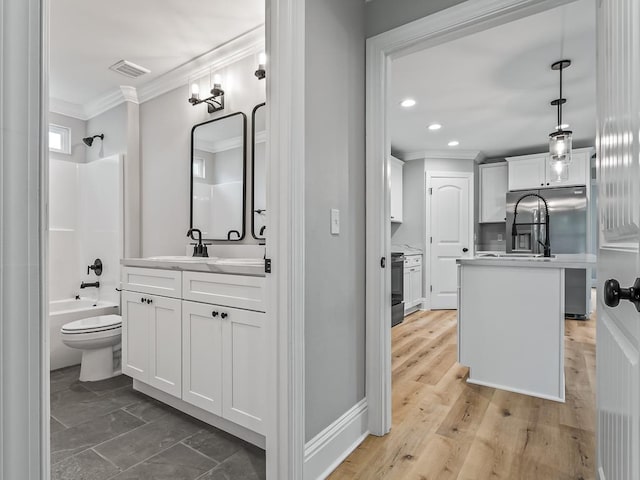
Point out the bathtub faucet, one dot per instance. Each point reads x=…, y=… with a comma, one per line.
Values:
x=86, y=285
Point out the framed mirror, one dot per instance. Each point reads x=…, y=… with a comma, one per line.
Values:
x=218, y=171
x=259, y=172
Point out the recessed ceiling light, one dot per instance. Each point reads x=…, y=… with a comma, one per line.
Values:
x=434, y=126
x=453, y=143
x=563, y=126
x=407, y=103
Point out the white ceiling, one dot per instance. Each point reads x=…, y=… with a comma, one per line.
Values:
x=491, y=90
x=88, y=36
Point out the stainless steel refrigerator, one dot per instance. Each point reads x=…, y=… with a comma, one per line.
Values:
x=567, y=231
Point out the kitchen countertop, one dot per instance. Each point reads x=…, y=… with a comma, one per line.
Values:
x=406, y=250
x=559, y=261
x=231, y=266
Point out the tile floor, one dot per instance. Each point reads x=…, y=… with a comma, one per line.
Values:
x=106, y=430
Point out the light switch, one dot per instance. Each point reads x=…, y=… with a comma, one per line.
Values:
x=335, y=221
x=500, y=237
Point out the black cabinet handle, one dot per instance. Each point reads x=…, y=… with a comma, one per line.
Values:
x=465, y=250
x=149, y=300
x=214, y=314
x=613, y=293
x=224, y=315
x=142, y=300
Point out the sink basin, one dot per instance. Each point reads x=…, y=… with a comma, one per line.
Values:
x=182, y=258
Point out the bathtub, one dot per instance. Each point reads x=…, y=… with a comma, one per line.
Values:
x=68, y=310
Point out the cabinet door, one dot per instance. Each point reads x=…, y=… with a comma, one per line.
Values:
x=416, y=285
x=165, y=350
x=202, y=356
x=396, y=190
x=527, y=173
x=493, y=190
x=406, y=292
x=136, y=329
x=244, y=368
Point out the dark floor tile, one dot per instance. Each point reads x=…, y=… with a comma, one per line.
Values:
x=108, y=385
x=75, y=411
x=177, y=463
x=62, y=379
x=144, y=442
x=246, y=464
x=215, y=444
x=149, y=409
x=55, y=426
x=81, y=437
x=72, y=394
x=85, y=466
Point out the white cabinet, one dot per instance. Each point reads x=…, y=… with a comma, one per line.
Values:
x=493, y=191
x=151, y=343
x=531, y=172
x=396, y=167
x=202, y=356
x=205, y=347
x=412, y=283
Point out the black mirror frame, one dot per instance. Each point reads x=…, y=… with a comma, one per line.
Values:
x=244, y=179
x=253, y=170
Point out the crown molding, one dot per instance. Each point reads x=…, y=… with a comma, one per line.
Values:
x=247, y=44
x=475, y=155
x=68, y=109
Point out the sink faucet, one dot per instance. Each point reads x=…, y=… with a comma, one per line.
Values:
x=514, y=231
x=199, y=249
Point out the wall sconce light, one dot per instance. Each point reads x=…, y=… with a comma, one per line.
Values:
x=261, y=72
x=215, y=102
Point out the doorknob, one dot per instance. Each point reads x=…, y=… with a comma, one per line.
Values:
x=465, y=250
x=613, y=293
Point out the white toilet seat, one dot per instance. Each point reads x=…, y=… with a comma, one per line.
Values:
x=102, y=323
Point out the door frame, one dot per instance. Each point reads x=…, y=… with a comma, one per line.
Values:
x=430, y=175
x=445, y=25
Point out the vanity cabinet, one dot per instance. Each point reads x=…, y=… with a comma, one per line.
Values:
x=205, y=347
x=493, y=192
x=151, y=340
x=532, y=172
x=396, y=168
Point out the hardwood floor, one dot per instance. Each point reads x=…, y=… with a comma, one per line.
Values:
x=444, y=428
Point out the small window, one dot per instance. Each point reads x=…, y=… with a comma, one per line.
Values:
x=59, y=139
x=198, y=167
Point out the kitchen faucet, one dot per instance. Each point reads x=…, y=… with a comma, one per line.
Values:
x=514, y=231
x=199, y=249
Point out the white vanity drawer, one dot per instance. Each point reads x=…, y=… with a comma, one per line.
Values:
x=412, y=260
x=166, y=283
x=227, y=290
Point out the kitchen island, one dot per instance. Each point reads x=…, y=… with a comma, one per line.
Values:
x=511, y=321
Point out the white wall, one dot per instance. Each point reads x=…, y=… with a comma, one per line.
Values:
x=383, y=15
x=78, y=132
x=335, y=173
x=165, y=142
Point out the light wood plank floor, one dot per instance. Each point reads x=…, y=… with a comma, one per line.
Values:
x=444, y=428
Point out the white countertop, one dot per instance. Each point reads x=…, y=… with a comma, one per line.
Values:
x=559, y=261
x=232, y=266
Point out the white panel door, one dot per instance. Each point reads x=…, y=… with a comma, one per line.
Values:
x=244, y=368
x=202, y=356
x=165, y=343
x=618, y=329
x=136, y=329
x=450, y=217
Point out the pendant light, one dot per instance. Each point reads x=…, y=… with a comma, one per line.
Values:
x=560, y=140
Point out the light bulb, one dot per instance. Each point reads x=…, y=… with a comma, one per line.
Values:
x=434, y=126
x=408, y=103
x=558, y=166
x=262, y=59
x=217, y=80
x=560, y=148
x=195, y=91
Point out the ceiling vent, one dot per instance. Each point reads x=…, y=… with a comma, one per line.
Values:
x=128, y=69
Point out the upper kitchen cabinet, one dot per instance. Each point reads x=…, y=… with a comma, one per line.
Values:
x=396, y=189
x=530, y=172
x=493, y=189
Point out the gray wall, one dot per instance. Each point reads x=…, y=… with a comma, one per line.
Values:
x=78, y=132
x=165, y=134
x=113, y=124
x=383, y=15
x=335, y=173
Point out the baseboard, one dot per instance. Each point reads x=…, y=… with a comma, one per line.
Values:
x=324, y=452
x=196, y=412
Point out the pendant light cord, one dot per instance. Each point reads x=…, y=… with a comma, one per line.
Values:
x=560, y=103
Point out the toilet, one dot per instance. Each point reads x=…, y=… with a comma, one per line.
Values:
x=96, y=337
